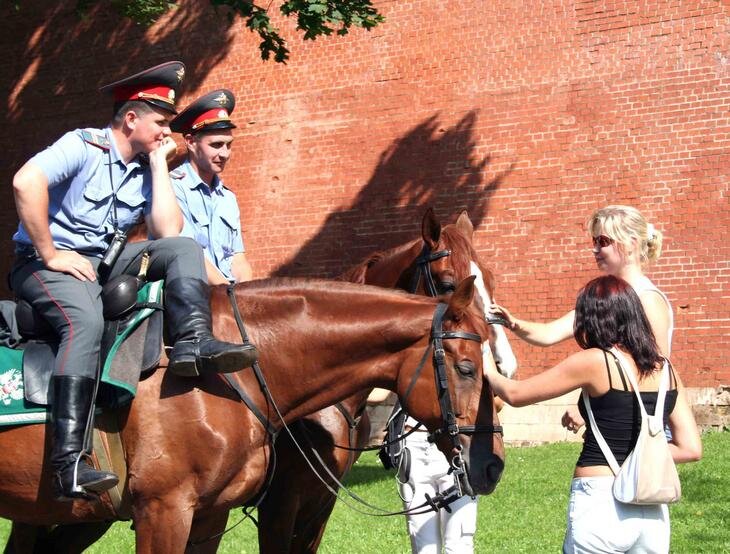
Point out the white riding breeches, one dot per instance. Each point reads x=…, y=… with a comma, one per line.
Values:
x=431, y=531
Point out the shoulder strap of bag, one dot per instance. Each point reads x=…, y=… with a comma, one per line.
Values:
x=658, y=416
x=610, y=458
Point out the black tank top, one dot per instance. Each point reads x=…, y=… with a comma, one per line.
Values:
x=618, y=418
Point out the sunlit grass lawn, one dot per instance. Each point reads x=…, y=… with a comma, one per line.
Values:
x=525, y=514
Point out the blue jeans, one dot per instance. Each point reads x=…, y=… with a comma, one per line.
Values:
x=598, y=523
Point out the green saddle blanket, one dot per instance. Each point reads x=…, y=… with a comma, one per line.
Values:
x=122, y=365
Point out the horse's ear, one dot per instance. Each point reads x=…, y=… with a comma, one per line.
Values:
x=462, y=297
x=430, y=229
x=463, y=224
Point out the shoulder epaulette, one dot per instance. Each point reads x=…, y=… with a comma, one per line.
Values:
x=177, y=174
x=97, y=139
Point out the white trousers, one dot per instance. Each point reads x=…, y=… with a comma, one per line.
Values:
x=431, y=531
x=598, y=523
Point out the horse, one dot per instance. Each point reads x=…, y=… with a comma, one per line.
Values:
x=194, y=450
x=295, y=510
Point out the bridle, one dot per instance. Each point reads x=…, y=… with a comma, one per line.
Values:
x=423, y=270
x=449, y=426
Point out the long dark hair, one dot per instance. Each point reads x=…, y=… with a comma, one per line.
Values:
x=608, y=313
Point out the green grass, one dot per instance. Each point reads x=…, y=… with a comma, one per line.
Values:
x=525, y=514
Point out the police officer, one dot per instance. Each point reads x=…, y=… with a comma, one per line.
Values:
x=75, y=201
x=210, y=210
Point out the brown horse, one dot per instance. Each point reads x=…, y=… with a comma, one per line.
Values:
x=194, y=451
x=294, y=513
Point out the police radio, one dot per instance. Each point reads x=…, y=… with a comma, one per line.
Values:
x=116, y=245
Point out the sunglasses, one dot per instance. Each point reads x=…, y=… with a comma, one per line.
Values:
x=602, y=241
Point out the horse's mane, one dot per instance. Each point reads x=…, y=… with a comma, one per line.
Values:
x=463, y=253
x=274, y=285
x=357, y=273
x=259, y=296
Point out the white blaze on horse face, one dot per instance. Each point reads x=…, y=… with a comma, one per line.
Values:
x=501, y=349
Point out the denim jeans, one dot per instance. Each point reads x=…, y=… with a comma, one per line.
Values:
x=598, y=523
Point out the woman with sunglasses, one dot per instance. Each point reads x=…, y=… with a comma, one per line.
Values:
x=617, y=342
x=623, y=244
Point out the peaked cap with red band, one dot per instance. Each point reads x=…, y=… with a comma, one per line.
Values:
x=157, y=85
x=210, y=111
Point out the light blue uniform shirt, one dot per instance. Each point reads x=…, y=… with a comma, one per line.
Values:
x=211, y=216
x=80, y=197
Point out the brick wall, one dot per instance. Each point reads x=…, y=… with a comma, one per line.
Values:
x=530, y=115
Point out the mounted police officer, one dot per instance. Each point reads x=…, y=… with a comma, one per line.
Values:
x=210, y=210
x=76, y=200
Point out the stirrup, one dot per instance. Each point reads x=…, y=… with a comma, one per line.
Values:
x=87, y=491
x=231, y=358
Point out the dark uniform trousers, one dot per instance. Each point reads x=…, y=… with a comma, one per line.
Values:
x=74, y=307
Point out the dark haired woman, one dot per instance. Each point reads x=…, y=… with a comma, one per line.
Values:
x=609, y=314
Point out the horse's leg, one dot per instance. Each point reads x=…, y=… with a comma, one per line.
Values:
x=309, y=527
x=206, y=533
x=24, y=537
x=73, y=538
x=316, y=508
x=162, y=526
x=277, y=514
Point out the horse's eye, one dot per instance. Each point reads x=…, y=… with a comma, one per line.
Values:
x=446, y=287
x=466, y=368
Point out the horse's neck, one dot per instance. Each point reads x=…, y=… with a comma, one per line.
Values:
x=395, y=267
x=319, y=348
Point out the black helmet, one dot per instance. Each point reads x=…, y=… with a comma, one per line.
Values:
x=119, y=296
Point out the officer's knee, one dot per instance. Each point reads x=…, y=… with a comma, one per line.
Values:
x=177, y=243
x=83, y=325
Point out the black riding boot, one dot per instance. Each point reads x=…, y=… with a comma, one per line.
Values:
x=74, y=477
x=195, y=349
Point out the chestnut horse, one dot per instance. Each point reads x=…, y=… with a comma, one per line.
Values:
x=294, y=513
x=194, y=451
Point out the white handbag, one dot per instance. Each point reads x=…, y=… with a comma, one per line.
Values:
x=648, y=475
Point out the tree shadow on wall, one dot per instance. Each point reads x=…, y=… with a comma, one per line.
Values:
x=430, y=166
x=54, y=62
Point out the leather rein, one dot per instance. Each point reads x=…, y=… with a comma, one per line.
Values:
x=449, y=426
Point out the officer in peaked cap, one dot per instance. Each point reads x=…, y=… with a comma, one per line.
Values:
x=76, y=200
x=210, y=210
x=157, y=86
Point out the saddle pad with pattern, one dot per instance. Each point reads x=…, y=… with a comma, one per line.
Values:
x=135, y=347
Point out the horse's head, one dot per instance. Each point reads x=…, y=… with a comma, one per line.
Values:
x=448, y=257
x=451, y=398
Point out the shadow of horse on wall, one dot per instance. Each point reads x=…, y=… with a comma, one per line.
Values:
x=431, y=165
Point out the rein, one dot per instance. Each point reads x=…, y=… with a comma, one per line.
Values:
x=435, y=345
x=441, y=500
x=450, y=425
x=271, y=431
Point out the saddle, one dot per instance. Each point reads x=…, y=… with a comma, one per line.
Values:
x=131, y=345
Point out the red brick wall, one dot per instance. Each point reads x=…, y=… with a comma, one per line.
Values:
x=528, y=114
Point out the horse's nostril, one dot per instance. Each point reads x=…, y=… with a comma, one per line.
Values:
x=494, y=471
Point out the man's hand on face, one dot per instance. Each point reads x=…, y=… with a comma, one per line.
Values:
x=164, y=151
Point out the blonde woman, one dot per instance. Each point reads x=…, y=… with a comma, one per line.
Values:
x=624, y=243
